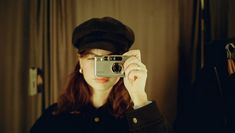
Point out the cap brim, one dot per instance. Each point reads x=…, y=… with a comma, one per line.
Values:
x=100, y=45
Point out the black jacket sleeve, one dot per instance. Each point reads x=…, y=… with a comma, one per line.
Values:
x=147, y=119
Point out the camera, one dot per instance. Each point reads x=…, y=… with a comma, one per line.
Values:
x=109, y=66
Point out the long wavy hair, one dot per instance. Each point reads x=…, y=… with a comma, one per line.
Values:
x=77, y=94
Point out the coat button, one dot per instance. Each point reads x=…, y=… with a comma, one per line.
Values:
x=96, y=119
x=134, y=120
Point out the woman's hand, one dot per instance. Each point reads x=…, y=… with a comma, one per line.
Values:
x=135, y=77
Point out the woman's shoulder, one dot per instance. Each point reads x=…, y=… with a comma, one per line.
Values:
x=50, y=109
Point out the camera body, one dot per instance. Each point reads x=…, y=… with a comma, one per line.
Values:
x=110, y=66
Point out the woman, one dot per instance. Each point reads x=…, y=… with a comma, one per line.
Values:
x=103, y=104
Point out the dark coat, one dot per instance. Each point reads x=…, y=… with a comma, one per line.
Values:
x=213, y=93
x=211, y=101
x=146, y=119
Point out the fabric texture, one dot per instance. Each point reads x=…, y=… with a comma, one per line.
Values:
x=146, y=119
x=105, y=33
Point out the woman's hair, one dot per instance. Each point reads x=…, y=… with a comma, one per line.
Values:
x=77, y=94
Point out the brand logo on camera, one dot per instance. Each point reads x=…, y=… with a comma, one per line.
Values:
x=109, y=66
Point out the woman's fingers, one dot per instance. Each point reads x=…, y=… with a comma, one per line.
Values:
x=133, y=60
x=134, y=53
x=134, y=68
x=133, y=73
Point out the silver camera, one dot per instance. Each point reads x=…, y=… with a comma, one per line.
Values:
x=109, y=66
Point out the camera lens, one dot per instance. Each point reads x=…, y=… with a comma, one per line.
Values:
x=117, y=68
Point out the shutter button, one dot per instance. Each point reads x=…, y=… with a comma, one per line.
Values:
x=134, y=120
x=96, y=119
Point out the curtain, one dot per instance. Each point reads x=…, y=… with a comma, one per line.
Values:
x=188, y=13
x=50, y=30
x=13, y=90
x=33, y=34
x=231, y=19
x=221, y=14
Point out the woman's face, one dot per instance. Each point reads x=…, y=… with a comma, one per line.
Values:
x=87, y=65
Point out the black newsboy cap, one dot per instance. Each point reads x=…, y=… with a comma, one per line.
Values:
x=103, y=33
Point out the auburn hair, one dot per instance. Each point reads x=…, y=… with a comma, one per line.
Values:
x=77, y=94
